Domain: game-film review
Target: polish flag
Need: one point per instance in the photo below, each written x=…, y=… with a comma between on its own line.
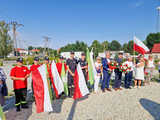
x=41, y=90
x=80, y=87
x=56, y=80
x=139, y=46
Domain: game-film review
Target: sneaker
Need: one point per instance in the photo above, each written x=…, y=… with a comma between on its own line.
x=25, y=106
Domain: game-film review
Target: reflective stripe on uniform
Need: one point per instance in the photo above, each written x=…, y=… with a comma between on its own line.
x=17, y=104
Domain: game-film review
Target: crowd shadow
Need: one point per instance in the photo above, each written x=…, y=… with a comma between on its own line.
x=73, y=108
x=152, y=107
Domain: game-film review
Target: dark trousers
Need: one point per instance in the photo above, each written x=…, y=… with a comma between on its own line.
x=118, y=79
x=128, y=79
x=20, y=96
x=106, y=79
x=70, y=85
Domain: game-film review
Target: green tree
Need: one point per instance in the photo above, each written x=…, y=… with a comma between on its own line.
x=97, y=47
x=105, y=45
x=5, y=39
x=114, y=45
x=151, y=39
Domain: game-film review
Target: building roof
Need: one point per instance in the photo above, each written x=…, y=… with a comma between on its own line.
x=156, y=48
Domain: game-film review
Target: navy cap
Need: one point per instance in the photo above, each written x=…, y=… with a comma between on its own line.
x=61, y=57
x=36, y=59
x=46, y=58
x=20, y=60
x=83, y=54
x=72, y=52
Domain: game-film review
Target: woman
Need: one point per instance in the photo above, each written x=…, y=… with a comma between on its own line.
x=139, y=75
x=98, y=66
x=3, y=86
x=149, y=69
x=159, y=69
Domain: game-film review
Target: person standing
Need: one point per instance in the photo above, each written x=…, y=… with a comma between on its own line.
x=3, y=87
x=84, y=65
x=149, y=69
x=159, y=69
x=98, y=66
x=106, y=75
x=118, y=73
x=71, y=65
x=139, y=75
x=33, y=68
x=129, y=73
x=19, y=75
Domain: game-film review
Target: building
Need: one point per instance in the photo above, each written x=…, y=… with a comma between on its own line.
x=156, y=51
x=67, y=54
x=113, y=54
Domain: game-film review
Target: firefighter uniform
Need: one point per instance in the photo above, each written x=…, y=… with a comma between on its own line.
x=20, y=87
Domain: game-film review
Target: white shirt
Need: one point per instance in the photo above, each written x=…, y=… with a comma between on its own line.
x=150, y=64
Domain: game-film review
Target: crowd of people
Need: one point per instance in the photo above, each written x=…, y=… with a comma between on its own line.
x=141, y=68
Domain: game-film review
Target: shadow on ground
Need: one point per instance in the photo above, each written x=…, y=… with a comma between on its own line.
x=73, y=108
x=152, y=107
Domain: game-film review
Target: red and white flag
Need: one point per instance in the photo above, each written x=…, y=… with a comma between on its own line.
x=80, y=87
x=41, y=90
x=139, y=46
x=56, y=80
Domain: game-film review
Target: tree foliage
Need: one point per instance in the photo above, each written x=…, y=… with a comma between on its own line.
x=114, y=45
x=151, y=39
x=5, y=39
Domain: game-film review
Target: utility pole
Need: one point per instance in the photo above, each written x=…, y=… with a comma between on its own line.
x=15, y=25
x=46, y=45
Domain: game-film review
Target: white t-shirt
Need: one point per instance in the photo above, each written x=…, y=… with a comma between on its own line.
x=150, y=64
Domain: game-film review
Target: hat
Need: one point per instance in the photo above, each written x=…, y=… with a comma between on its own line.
x=36, y=59
x=46, y=58
x=61, y=57
x=83, y=54
x=20, y=60
x=72, y=52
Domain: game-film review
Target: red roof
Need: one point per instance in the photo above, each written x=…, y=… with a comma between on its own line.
x=156, y=48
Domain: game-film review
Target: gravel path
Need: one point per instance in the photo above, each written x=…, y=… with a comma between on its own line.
x=135, y=104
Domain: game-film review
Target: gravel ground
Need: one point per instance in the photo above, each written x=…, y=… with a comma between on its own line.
x=135, y=104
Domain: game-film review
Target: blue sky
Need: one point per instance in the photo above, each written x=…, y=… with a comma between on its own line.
x=66, y=21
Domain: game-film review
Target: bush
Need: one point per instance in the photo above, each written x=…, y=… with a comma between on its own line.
x=1, y=62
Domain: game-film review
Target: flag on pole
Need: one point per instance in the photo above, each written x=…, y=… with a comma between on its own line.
x=56, y=80
x=90, y=68
x=2, y=116
x=139, y=46
x=41, y=90
x=80, y=87
x=64, y=79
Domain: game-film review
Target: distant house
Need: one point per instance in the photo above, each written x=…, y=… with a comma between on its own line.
x=67, y=54
x=22, y=52
x=156, y=51
x=113, y=54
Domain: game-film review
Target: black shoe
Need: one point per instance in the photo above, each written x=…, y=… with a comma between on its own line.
x=18, y=109
x=25, y=106
x=103, y=91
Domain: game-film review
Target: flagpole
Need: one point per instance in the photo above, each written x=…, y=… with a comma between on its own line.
x=134, y=52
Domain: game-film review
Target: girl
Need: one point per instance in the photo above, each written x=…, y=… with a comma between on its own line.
x=139, y=75
x=98, y=66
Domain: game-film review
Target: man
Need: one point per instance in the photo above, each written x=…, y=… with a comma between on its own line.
x=118, y=73
x=106, y=75
x=19, y=75
x=84, y=66
x=72, y=65
x=33, y=68
x=129, y=73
